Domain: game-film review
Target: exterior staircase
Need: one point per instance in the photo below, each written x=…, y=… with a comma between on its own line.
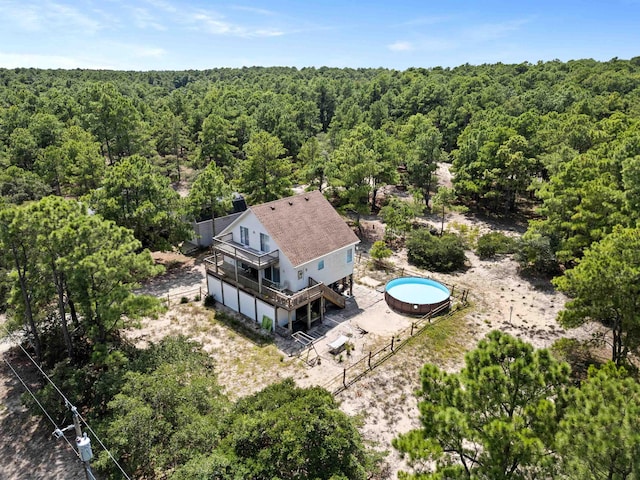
x=328, y=294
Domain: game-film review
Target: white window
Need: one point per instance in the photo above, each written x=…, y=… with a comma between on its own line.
x=320, y=264
x=350, y=255
x=244, y=235
x=264, y=242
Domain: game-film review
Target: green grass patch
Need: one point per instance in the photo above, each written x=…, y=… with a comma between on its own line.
x=241, y=328
x=446, y=338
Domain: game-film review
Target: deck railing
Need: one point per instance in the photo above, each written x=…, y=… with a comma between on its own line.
x=270, y=292
x=259, y=260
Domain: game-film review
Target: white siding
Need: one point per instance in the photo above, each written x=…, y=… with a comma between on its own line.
x=283, y=319
x=214, y=287
x=248, y=305
x=335, y=267
x=265, y=309
x=289, y=276
x=255, y=228
x=230, y=294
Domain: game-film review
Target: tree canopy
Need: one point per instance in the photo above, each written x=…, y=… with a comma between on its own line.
x=134, y=195
x=555, y=143
x=604, y=287
x=495, y=419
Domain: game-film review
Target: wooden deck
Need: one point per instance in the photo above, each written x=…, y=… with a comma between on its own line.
x=269, y=291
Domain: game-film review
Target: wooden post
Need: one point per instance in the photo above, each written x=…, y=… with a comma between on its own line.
x=290, y=322
x=344, y=377
x=392, y=340
x=453, y=289
x=412, y=325
x=308, y=315
x=369, y=360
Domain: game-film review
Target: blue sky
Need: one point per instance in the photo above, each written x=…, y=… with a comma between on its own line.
x=198, y=34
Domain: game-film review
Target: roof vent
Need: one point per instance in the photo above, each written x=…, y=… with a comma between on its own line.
x=291, y=203
x=306, y=198
x=272, y=207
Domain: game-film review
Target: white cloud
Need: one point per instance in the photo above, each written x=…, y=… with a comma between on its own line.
x=257, y=11
x=28, y=60
x=492, y=31
x=47, y=15
x=216, y=24
x=145, y=19
x=400, y=46
x=128, y=51
x=26, y=17
x=65, y=15
x=162, y=5
x=141, y=51
x=432, y=20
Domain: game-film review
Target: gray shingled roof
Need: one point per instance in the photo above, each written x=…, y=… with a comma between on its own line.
x=305, y=226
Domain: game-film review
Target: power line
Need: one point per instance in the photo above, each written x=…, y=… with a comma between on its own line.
x=103, y=446
x=67, y=403
x=66, y=400
x=39, y=404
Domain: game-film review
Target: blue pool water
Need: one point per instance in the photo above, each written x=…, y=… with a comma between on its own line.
x=417, y=290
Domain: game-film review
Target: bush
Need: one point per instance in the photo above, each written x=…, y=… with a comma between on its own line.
x=439, y=254
x=209, y=301
x=493, y=244
x=535, y=255
x=380, y=252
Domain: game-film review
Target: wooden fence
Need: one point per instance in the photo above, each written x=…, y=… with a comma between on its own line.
x=184, y=296
x=362, y=367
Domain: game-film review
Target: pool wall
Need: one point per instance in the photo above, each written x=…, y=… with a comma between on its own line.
x=417, y=307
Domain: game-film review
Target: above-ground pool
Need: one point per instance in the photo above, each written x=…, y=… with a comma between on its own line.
x=415, y=295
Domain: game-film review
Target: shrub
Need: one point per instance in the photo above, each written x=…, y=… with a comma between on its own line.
x=380, y=252
x=209, y=301
x=439, y=254
x=184, y=300
x=493, y=244
x=535, y=255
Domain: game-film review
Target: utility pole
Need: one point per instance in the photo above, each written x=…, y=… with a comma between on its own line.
x=83, y=443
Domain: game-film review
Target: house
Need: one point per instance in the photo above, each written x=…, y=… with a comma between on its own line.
x=279, y=262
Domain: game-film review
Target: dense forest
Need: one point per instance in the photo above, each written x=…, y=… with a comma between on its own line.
x=100, y=167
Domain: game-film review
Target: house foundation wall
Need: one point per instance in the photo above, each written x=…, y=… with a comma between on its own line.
x=245, y=303
x=214, y=287
x=248, y=305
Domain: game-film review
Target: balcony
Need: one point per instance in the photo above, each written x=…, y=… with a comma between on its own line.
x=263, y=289
x=243, y=254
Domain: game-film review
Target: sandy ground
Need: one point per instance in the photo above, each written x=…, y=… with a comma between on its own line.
x=498, y=299
x=383, y=400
